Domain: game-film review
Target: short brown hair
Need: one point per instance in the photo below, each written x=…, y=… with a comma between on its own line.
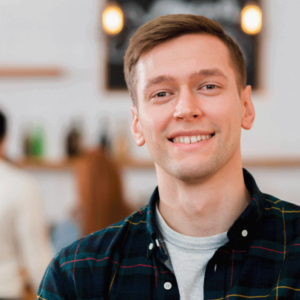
x=169, y=27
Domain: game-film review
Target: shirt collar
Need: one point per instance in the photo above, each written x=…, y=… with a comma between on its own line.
x=153, y=230
x=151, y=226
x=243, y=227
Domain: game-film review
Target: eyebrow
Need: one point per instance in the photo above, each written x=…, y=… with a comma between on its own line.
x=157, y=80
x=201, y=73
x=208, y=73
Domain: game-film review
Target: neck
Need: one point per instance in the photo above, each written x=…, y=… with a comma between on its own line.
x=206, y=208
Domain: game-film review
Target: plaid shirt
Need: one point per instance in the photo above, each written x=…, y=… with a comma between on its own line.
x=126, y=260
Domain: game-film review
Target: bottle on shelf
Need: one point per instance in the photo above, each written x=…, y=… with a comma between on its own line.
x=26, y=143
x=104, y=139
x=37, y=142
x=33, y=142
x=74, y=139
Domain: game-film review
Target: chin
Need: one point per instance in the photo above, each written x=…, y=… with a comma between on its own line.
x=190, y=174
x=194, y=169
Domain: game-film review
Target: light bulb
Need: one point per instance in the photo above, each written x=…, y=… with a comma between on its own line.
x=112, y=19
x=251, y=19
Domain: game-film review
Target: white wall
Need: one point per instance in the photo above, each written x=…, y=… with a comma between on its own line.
x=68, y=33
x=275, y=132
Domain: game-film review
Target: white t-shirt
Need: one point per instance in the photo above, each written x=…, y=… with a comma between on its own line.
x=188, y=257
x=23, y=239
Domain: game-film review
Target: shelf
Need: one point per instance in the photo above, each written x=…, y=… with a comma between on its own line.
x=68, y=164
x=135, y=164
x=282, y=162
x=30, y=71
x=39, y=164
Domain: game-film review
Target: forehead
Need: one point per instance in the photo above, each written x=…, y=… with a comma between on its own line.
x=182, y=56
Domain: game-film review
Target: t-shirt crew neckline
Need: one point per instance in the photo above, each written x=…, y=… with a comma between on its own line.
x=188, y=242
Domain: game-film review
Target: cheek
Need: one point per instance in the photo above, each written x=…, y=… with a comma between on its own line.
x=150, y=129
x=234, y=118
x=227, y=115
x=157, y=119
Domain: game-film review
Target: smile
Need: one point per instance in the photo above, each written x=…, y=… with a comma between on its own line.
x=191, y=139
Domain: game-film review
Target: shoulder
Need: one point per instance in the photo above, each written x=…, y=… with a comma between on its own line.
x=11, y=172
x=279, y=206
x=284, y=215
x=283, y=236
x=17, y=186
x=97, y=254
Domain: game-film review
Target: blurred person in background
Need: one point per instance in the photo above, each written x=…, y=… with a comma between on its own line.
x=25, y=247
x=101, y=200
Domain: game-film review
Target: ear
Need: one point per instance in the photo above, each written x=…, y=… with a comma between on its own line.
x=248, y=108
x=136, y=127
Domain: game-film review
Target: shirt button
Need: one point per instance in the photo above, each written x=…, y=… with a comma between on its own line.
x=150, y=246
x=167, y=285
x=244, y=233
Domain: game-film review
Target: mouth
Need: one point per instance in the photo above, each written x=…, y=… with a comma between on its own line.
x=190, y=139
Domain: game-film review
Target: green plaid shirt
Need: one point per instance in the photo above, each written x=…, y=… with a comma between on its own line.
x=126, y=261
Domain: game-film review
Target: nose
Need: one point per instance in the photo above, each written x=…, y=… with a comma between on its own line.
x=187, y=107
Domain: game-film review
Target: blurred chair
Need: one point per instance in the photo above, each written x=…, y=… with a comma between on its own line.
x=100, y=191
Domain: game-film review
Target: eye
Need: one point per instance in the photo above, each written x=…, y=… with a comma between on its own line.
x=209, y=87
x=162, y=94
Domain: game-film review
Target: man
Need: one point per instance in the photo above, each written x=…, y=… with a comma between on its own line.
x=23, y=238
x=208, y=232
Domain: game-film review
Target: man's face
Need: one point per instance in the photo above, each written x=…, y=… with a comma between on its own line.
x=190, y=111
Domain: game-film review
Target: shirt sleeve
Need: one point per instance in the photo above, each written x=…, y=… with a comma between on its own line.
x=53, y=284
x=32, y=240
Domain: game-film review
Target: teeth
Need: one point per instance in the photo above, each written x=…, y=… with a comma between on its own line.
x=191, y=139
x=186, y=140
